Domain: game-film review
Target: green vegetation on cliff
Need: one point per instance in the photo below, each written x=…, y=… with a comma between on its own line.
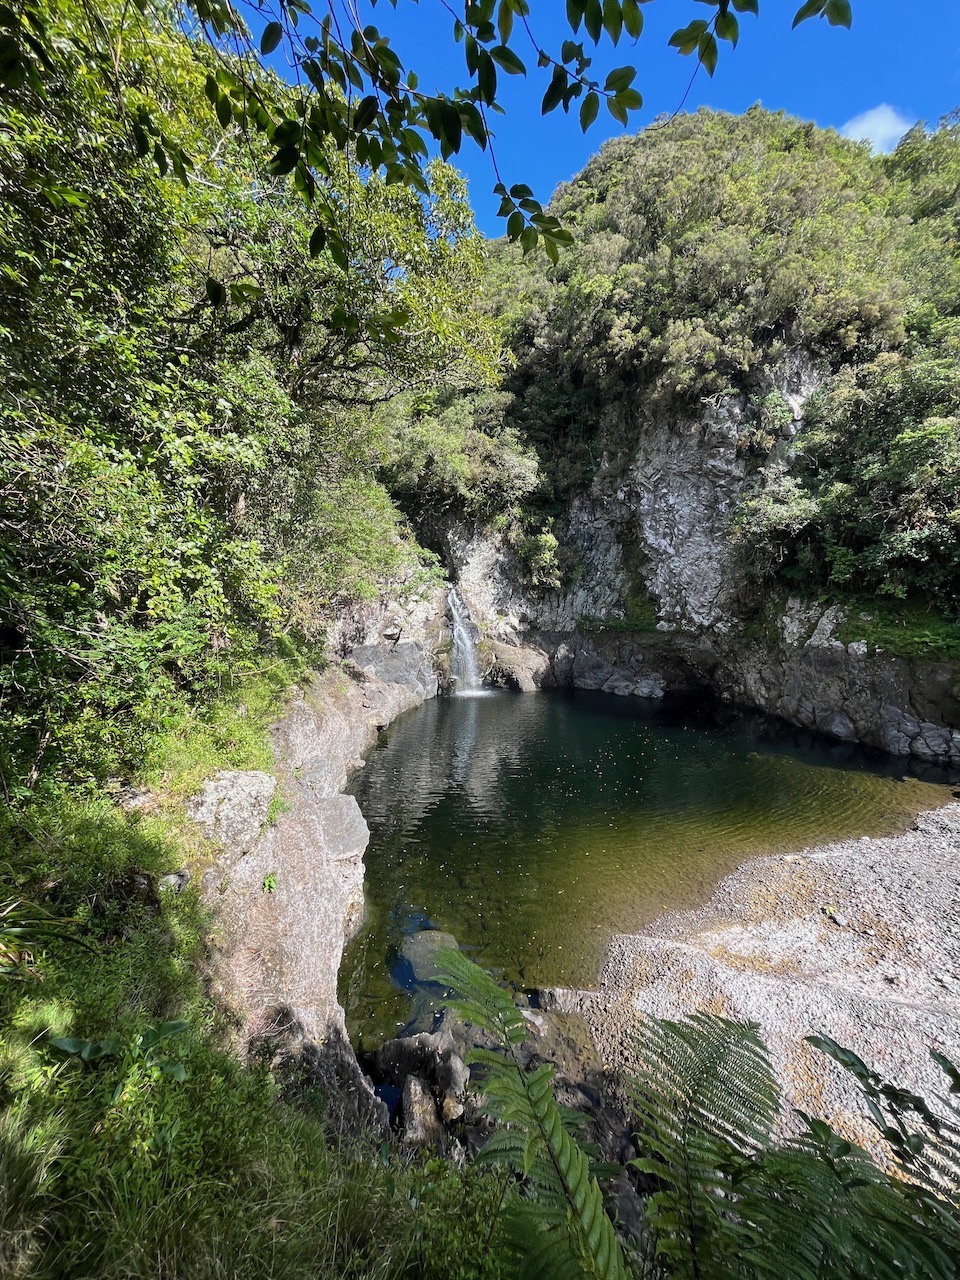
x=711, y=252
x=190, y=432
x=187, y=437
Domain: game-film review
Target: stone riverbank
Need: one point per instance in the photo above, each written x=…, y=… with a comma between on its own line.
x=857, y=940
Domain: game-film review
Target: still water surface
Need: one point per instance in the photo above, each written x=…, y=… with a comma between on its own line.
x=533, y=826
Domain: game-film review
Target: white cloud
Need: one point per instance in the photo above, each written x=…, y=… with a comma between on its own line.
x=881, y=126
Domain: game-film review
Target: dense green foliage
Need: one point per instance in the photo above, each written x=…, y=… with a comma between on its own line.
x=353, y=95
x=560, y=1227
x=870, y=506
x=730, y=1200
x=187, y=448
x=189, y=438
x=223, y=413
x=133, y=1143
x=710, y=250
x=706, y=246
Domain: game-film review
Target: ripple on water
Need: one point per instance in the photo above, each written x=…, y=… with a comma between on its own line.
x=532, y=827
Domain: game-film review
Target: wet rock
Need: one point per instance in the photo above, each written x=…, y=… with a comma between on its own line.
x=421, y=1124
x=836, y=724
x=520, y=666
x=420, y=950
x=429, y=1056
x=650, y=687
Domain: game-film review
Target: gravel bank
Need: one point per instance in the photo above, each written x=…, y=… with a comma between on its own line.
x=859, y=940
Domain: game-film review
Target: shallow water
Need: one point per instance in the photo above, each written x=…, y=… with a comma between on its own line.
x=534, y=826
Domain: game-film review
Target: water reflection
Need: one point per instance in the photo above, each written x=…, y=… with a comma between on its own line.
x=533, y=826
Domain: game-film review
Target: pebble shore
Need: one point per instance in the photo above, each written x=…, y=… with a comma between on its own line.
x=859, y=940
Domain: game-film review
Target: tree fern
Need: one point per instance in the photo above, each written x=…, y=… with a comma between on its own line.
x=705, y=1099
x=561, y=1231
x=925, y=1143
x=727, y=1202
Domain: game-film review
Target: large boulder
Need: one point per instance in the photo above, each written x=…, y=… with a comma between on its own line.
x=233, y=807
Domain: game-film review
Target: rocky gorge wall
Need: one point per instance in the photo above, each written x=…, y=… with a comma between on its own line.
x=286, y=889
x=659, y=601
x=907, y=708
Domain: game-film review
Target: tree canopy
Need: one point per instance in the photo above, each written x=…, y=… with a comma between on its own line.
x=187, y=430
x=349, y=92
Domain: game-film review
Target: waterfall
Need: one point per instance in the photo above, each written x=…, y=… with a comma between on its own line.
x=464, y=667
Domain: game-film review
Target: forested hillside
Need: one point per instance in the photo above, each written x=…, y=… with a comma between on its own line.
x=710, y=249
x=192, y=429
x=190, y=435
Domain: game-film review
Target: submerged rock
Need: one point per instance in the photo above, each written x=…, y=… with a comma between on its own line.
x=420, y=950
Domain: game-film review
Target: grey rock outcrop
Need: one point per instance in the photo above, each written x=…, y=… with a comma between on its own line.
x=843, y=691
x=905, y=707
x=655, y=519
x=286, y=897
x=434, y=1057
x=233, y=807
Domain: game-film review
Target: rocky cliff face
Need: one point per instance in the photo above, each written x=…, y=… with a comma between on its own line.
x=654, y=528
x=287, y=894
x=654, y=522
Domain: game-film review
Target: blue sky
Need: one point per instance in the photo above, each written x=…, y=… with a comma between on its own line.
x=902, y=56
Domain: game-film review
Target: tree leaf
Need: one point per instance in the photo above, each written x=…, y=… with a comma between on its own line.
x=365, y=113
x=687, y=38
x=487, y=77
x=708, y=52
x=839, y=13
x=633, y=18
x=272, y=35
x=504, y=57
x=727, y=28
x=809, y=10
x=505, y=20
x=617, y=110
x=593, y=19
x=589, y=109
x=612, y=19
x=619, y=78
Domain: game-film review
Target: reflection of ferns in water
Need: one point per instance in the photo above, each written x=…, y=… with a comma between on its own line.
x=724, y=1202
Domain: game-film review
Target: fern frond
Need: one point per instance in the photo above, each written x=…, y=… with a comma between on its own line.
x=729, y=1203
x=479, y=999
x=710, y=1072
x=573, y=1237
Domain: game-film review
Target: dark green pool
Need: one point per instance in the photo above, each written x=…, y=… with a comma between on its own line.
x=534, y=826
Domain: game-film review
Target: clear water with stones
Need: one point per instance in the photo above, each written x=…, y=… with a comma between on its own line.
x=533, y=826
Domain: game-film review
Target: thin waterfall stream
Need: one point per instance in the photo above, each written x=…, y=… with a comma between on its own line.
x=464, y=661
